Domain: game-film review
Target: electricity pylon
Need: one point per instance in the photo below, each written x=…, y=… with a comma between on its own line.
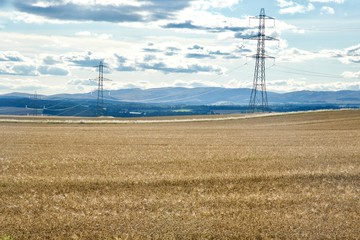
x=258, y=98
x=100, y=108
x=100, y=95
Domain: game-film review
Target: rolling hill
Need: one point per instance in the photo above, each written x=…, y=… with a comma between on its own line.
x=216, y=96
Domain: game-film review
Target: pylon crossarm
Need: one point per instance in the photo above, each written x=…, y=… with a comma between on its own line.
x=107, y=79
x=262, y=17
x=260, y=56
x=260, y=37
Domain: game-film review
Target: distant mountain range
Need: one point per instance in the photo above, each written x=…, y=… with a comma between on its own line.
x=206, y=96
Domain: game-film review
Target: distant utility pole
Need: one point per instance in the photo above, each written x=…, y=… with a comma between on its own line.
x=35, y=99
x=258, y=98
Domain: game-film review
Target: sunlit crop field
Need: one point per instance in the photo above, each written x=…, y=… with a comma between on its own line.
x=291, y=176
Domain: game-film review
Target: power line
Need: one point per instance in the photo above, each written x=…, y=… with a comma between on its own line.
x=298, y=71
x=327, y=29
x=77, y=114
x=67, y=109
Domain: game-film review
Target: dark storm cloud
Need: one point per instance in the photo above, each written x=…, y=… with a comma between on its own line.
x=153, y=9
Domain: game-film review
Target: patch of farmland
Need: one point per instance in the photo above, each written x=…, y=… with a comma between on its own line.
x=280, y=176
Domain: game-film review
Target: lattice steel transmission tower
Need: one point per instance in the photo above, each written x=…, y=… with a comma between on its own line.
x=100, y=107
x=258, y=98
x=100, y=92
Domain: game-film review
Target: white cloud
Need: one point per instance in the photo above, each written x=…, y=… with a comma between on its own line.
x=17, y=16
x=195, y=84
x=21, y=85
x=281, y=27
x=133, y=3
x=53, y=71
x=285, y=3
x=205, y=21
x=50, y=59
x=100, y=11
x=351, y=74
x=82, y=59
x=83, y=82
x=297, y=8
x=103, y=36
x=84, y=33
x=291, y=85
x=334, y=86
x=327, y=10
x=295, y=55
x=285, y=85
x=32, y=69
x=180, y=67
x=347, y=55
x=205, y=4
x=328, y=1
x=22, y=69
x=11, y=56
x=16, y=64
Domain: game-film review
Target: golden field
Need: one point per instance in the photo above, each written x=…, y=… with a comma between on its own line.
x=293, y=176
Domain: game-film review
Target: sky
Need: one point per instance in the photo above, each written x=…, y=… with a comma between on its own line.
x=53, y=46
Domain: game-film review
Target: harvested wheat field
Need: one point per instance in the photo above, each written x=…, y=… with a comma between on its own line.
x=293, y=176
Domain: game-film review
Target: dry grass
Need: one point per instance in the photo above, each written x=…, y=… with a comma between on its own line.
x=292, y=176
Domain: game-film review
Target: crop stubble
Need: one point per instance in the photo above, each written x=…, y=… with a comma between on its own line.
x=291, y=176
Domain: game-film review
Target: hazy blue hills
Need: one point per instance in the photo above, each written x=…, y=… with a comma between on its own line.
x=169, y=102
x=206, y=96
x=228, y=96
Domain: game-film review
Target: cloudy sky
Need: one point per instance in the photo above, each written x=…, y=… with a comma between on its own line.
x=52, y=46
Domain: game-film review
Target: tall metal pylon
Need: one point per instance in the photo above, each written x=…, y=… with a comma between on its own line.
x=258, y=98
x=100, y=107
x=100, y=95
